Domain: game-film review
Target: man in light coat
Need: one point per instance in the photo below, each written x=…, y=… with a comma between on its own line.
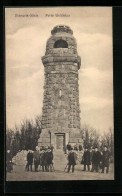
x=36, y=157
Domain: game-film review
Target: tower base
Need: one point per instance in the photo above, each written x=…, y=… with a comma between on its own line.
x=59, y=140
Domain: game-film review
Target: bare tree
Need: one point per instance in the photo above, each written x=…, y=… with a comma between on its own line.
x=90, y=136
x=108, y=139
x=25, y=136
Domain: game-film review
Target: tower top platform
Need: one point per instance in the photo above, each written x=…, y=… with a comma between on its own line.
x=61, y=28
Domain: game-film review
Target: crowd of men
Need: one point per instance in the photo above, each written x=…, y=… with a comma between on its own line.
x=92, y=159
x=98, y=160
x=42, y=157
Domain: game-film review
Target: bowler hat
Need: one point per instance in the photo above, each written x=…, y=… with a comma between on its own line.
x=96, y=147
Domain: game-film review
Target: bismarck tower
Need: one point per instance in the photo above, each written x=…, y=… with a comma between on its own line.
x=61, y=109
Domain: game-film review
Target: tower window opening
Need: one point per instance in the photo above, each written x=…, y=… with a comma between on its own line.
x=61, y=44
x=60, y=93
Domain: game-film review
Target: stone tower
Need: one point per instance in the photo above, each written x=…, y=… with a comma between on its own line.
x=61, y=109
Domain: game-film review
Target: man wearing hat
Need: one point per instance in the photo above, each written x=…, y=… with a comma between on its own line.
x=46, y=159
x=91, y=158
x=29, y=159
x=96, y=159
x=86, y=159
x=69, y=147
x=49, y=159
x=105, y=159
x=36, y=157
x=42, y=158
x=72, y=157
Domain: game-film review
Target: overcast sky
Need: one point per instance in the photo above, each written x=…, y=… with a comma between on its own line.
x=25, y=45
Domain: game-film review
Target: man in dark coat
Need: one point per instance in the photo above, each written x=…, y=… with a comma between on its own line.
x=36, y=157
x=29, y=160
x=42, y=158
x=96, y=158
x=86, y=159
x=46, y=159
x=49, y=159
x=105, y=159
x=72, y=157
x=91, y=156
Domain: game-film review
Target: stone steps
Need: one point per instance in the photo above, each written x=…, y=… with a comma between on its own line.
x=60, y=160
x=59, y=155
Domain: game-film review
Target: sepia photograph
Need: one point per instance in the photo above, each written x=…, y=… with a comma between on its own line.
x=59, y=93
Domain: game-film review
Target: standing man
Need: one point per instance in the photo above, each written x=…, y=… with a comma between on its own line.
x=42, y=158
x=50, y=159
x=36, y=157
x=105, y=159
x=29, y=160
x=91, y=158
x=46, y=159
x=96, y=158
x=72, y=157
x=86, y=159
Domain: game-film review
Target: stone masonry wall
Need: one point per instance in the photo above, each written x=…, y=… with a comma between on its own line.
x=61, y=109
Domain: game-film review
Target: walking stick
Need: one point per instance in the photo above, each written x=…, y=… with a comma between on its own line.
x=66, y=167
